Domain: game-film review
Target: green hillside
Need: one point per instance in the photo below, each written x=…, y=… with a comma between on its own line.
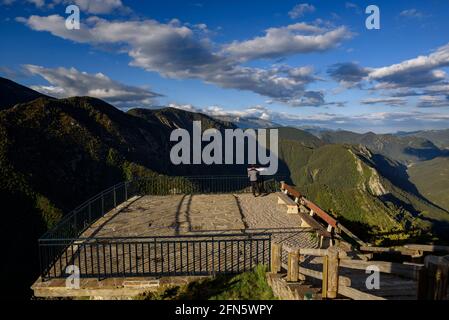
x=12, y=93
x=303, y=137
x=432, y=180
x=55, y=154
x=405, y=149
x=438, y=137
x=345, y=181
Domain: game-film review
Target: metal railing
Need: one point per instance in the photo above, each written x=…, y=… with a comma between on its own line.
x=66, y=234
x=77, y=221
x=155, y=256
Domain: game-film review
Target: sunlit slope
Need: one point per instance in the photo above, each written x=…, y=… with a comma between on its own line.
x=346, y=181
x=432, y=180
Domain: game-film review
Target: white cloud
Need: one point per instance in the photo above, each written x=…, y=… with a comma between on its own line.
x=300, y=9
x=433, y=101
x=289, y=40
x=420, y=71
x=71, y=82
x=86, y=6
x=381, y=122
x=97, y=6
x=176, y=51
x=423, y=75
x=37, y=3
x=411, y=13
x=391, y=101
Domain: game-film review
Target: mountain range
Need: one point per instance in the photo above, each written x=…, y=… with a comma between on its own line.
x=55, y=153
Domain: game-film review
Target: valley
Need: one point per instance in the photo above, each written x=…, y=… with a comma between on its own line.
x=56, y=153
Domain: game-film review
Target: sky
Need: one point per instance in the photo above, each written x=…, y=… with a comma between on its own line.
x=311, y=63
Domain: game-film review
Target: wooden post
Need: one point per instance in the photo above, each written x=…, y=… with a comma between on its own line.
x=433, y=281
x=332, y=273
x=276, y=263
x=324, y=281
x=293, y=266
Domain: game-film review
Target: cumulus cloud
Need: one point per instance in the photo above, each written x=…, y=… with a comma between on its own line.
x=390, y=101
x=382, y=122
x=289, y=40
x=176, y=51
x=420, y=71
x=353, y=6
x=411, y=13
x=71, y=82
x=433, y=101
x=348, y=74
x=90, y=6
x=97, y=6
x=420, y=76
x=300, y=9
x=253, y=112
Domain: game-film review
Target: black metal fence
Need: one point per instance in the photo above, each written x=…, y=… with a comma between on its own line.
x=155, y=256
x=77, y=221
x=63, y=243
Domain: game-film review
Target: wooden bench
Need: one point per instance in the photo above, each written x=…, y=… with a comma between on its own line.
x=292, y=206
x=308, y=221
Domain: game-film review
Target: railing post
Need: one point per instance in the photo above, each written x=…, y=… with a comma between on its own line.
x=276, y=263
x=325, y=277
x=41, y=268
x=90, y=212
x=115, y=198
x=332, y=273
x=126, y=191
x=293, y=264
x=434, y=279
x=75, y=226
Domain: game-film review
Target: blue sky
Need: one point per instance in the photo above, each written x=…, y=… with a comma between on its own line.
x=296, y=63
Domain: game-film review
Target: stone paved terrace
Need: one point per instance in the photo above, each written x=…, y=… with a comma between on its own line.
x=176, y=215
x=205, y=214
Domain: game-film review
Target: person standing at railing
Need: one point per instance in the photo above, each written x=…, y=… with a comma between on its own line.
x=253, y=175
x=261, y=179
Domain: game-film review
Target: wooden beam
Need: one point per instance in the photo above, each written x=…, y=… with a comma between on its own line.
x=357, y=294
x=394, y=250
x=312, y=223
x=311, y=252
x=427, y=248
x=342, y=280
x=320, y=212
x=290, y=190
x=409, y=271
x=351, y=235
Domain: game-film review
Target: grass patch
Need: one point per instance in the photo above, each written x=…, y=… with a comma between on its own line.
x=251, y=285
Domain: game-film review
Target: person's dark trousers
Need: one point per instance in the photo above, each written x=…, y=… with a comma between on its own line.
x=261, y=185
x=255, y=187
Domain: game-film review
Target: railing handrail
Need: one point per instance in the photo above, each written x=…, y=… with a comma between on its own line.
x=208, y=235
x=72, y=214
x=74, y=211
